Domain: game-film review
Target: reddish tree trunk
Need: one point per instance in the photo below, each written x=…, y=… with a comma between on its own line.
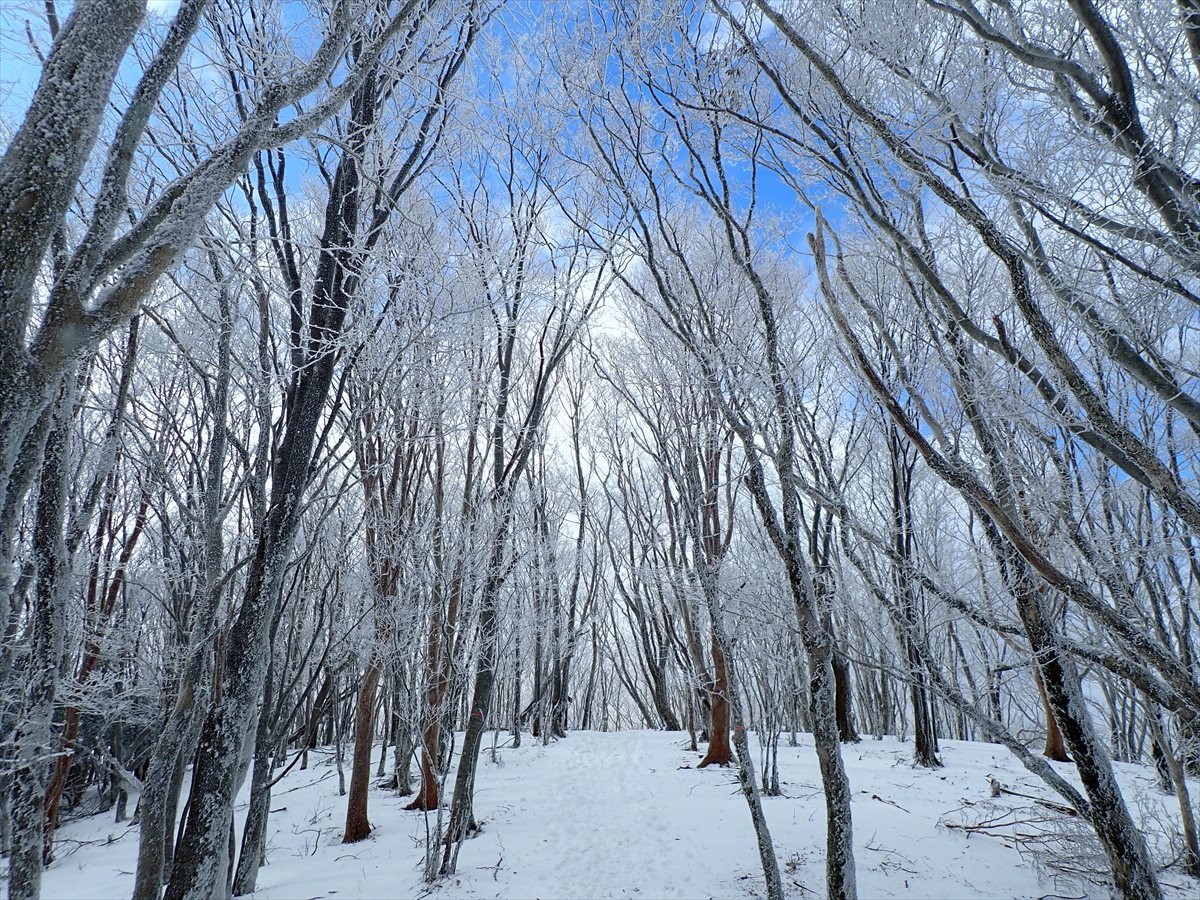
x=101, y=601
x=439, y=682
x=427, y=797
x=58, y=780
x=719, y=751
x=1056, y=748
x=358, y=826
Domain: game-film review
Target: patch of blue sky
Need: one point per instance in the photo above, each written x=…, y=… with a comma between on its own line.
x=22, y=27
x=25, y=33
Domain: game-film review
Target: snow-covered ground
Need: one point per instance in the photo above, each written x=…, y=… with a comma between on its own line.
x=626, y=815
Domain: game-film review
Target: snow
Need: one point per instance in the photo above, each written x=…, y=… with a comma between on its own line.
x=626, y=814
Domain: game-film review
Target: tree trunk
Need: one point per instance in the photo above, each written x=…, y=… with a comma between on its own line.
x=442, y=627
x=1056, y=748
x=839, y=845
x=39, y=177
x=516, y=700
x=438, y=685
x=177, y=741
x=427, y=795
x=1190, y=862
x=843, y=699
x=202, y=858
x=662, y=703
x=925, y=742
x=357, y=825
x=1124, y=844
x=159, y=800
x=60, y=771
x=33, y=741
x=101, y=602
x=719, y=752
x=462, y=810
x=746, y=778
x=254, y=831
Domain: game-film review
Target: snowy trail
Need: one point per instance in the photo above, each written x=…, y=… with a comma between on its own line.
x=605, y=818
x=627, y=815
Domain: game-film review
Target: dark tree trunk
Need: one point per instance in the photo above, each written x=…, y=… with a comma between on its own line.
x=254, y=832
x=925, y=742
x=844, y=699
x=462, y=810
x=516, y=700
x=662, y=702
x=319, y=708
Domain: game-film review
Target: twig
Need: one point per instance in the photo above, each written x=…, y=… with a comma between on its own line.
x=890, y=803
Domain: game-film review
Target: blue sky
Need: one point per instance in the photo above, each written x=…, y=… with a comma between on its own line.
x=19, y=66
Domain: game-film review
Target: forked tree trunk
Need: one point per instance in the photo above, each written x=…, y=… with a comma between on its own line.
x=39, y=176
x=427, y=797
x=443, y=624
x=438, y=686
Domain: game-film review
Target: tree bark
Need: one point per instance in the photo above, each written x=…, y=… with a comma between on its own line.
x=39, y=175
x=719, y=751
x=357, y=825
x=1056, y=748
x=33, y=741
x=462, y=809
x=254, y=830
x=843, y=699
x=1124, y=844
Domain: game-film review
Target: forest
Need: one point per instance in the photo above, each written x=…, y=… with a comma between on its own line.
x=394, y=387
